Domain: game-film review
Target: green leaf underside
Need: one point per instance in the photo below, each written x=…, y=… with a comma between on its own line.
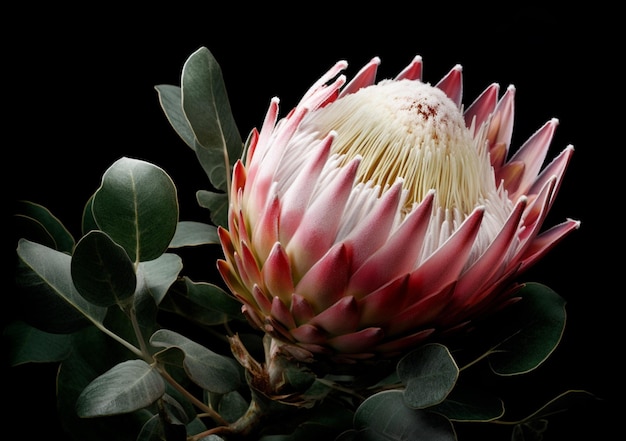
x=159, y=274
x=429, y=374
x=385, y=416
x=535, y=328
x=209, y=370
x=170, y=98
x=102, y=271
x=63, y=240
x=207, y=109
x=128, y=386
x=216, y=203
x=54, y=302
x=137, y=206
x=29, y=344
x=467, y=403
x=189, y=233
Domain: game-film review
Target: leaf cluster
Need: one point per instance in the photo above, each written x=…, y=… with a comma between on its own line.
x=94, y=305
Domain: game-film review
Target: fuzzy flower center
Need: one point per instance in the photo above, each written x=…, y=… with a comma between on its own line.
x=410, y=130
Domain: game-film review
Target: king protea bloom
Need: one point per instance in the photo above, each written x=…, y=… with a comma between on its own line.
x=376, y=215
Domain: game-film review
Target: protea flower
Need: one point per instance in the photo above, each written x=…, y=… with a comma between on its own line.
x=376, y=215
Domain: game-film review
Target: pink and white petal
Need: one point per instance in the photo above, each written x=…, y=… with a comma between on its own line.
x=491, y=261
x=373, y=231
x=501, y=125
x=317, y=231
x=301, y=309
x=482, y=108
x=248, y=267
x=452, y=84
x=511, y=175
x=252, y=141
x=265, y=233
x=533, y=154
x=357, y=342
x=413, y=71
x=399, y=345
x=545, y=241
x=263, y=302
x=536, y=211
x=309, y=334
x=226, y=242
x=384, y=302
x=423, y=312
x=276, y=274
x=395, y=257
x=324, y=79
x=365, y=77
x=263, y=144
x=252, y=316
x=445, y=264
x=281, y=313
x=325, y=283
x=231, y=278
x=556, y=168
x=297, y=196
x=340, y=318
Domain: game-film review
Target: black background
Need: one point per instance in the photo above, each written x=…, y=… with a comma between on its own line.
x=80, y=89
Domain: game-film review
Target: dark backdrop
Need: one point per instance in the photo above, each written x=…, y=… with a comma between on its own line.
x=81, y=94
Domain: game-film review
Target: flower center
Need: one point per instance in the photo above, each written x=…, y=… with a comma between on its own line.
x=410, y=130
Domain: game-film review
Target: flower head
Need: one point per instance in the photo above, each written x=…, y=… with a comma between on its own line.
x=377, y=214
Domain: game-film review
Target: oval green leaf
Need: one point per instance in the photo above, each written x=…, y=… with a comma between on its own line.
x=206, y=106
x=466, y=403
x=27, y=344
x=158, y=275
x=102, y=271
x=209, y=370
x=128, y=386
x=137, y=206
x=385, y=417
x=216, y=203
x=54, y=304
x=535, y=326
x=170, y=98
x=190, y=233
x=63, y=240
x=429, y=374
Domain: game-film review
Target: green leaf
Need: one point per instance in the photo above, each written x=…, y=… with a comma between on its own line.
x=232, y=406
x=531, y=431
x=129, y=386
x=214, y=298
x=28, y=344
x=209, y=370
x=179, y=302
x=93, y=353
x=562, y=403
x=466, y=403
x=102, y=271
x=88, y=222
x=170, y=98
x=159, y=274
x=217, y=204
x=137, y=206
x=534, y=327
x=54, y=304
x=28, y=228
x=189, y=233
x=429, y=374
x=385, y=416
x=206, y=106
x=63, y=240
